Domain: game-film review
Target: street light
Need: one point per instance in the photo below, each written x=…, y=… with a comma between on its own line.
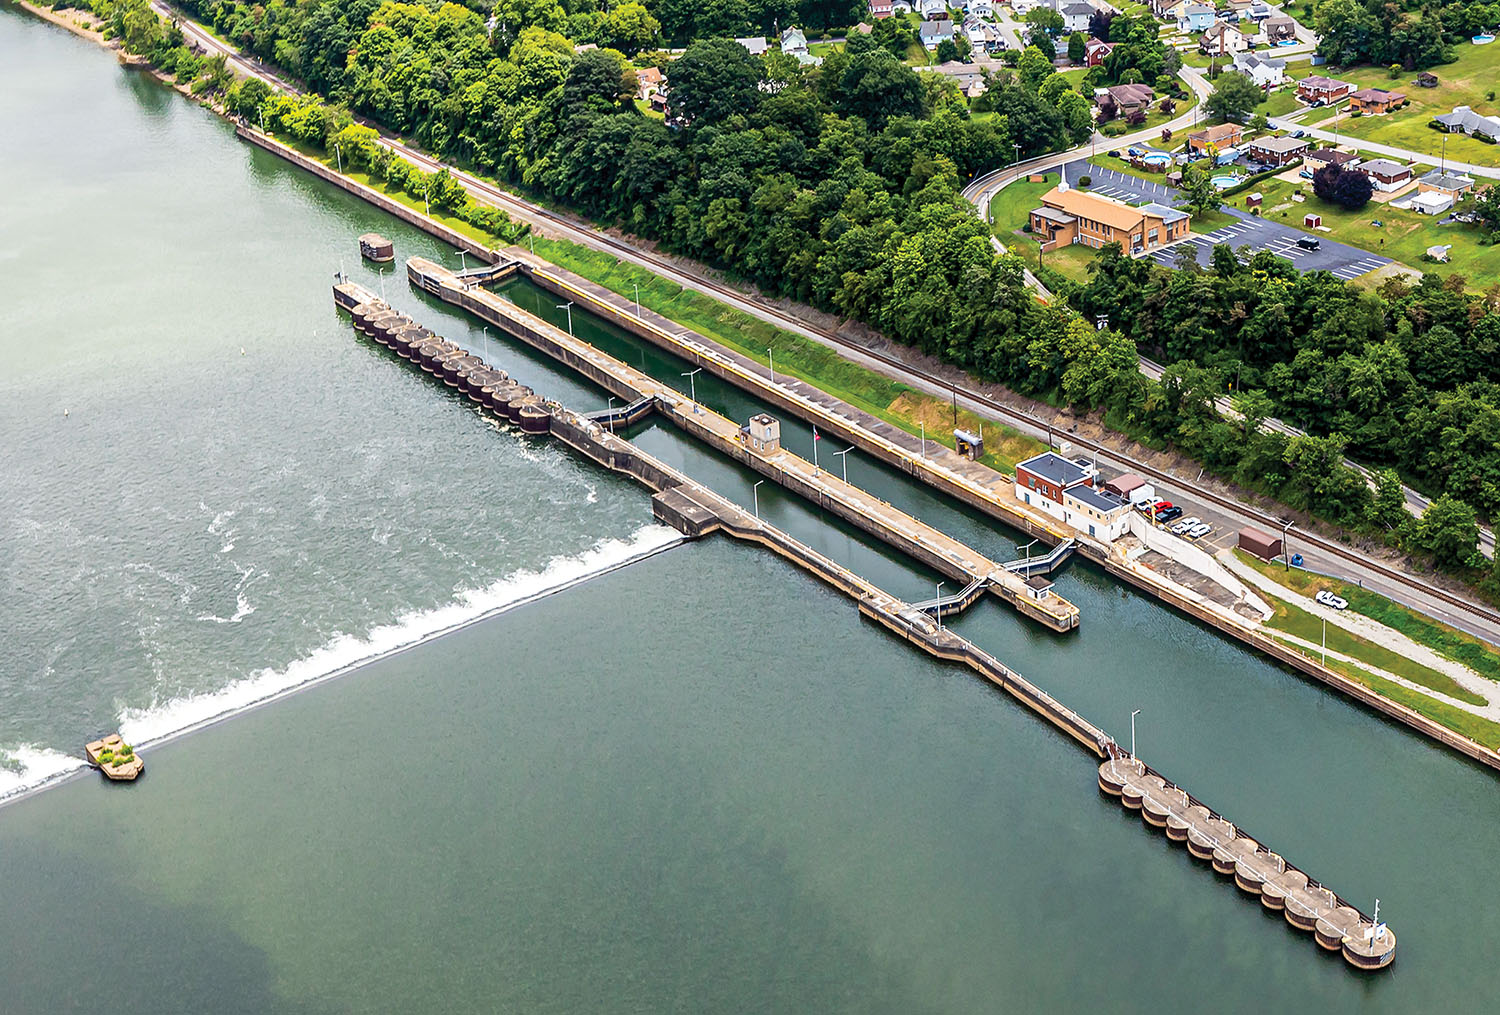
x=843, y=455
x=755, y=492
x=611, y=415
x=568, y=306
x=1017, y=146
x=938, y=606
x=637, y=300
x=1286, y=553
x=463, y=260
x=691, y=375
x=771, y=359
x=486, y=331
x=1132, y=733
x=339, y=154
x=923, y=425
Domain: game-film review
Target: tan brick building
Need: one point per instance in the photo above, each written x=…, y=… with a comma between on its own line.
x=1074, y=216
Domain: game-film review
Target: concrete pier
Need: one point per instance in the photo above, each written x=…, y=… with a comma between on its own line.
x=697, y=511
x=912, y=536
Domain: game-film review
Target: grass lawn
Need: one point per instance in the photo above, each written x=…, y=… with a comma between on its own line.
x=800, y=357
x=1280, y=103
x=644, y=106
x=1404, y=237
x=1467, y=81
x=1455, y=645
x=1071, y=261
x=1009, y=207
x=1299, y=623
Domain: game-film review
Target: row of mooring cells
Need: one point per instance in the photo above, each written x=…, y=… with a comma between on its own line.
x=454, y=366
x=1307, y=905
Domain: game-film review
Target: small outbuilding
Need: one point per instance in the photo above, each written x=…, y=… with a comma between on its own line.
x=1311, y=220
x=1260, y=544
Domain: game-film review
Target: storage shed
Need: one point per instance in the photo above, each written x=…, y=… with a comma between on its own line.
x=1259, y=543
x=1311, y=221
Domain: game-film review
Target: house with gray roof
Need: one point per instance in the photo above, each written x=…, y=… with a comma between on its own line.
x=934, y=33
x=1464, y=120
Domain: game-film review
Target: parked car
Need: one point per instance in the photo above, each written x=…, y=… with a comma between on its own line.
x=1306, y=174
x=1187, y=523
x=1309, y=242
x=1329, y=599
x=1113, y=153
x=1200, y=530
x=1168, y=515
x=1299, y=133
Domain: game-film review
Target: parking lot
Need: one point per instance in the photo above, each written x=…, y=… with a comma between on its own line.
x=1340, y=259
x=1251, y=231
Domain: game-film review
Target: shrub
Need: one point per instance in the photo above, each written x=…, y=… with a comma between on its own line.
x=1085, y=181
x=1355, y=113
x=1490, y=95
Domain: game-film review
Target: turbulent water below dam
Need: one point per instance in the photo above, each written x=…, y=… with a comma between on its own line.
x=622, y=779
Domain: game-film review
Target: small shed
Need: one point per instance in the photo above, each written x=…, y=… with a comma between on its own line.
x=1038, y=588
x=970, y=445
x=1254, y=200
x=1125, y=485
x=1311, y=220
x=1427, y=79
x=1259, y=543
x=1440, y=252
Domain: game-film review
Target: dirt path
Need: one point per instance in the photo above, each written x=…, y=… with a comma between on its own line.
x=1490, y=711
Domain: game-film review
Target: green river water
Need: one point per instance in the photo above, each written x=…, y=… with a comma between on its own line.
x=695, y=783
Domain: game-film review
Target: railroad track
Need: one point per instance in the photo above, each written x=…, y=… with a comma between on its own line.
x=999, y=409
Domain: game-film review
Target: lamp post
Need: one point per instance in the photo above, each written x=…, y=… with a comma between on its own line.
x=692, y=375
x=637, y=300
x=568, y=306
x=771, y=359
x=611, y=415
x=938, y=606
x=755, y=492
x=486, y=331
x=843, y=455
x=1132, y=733
x=463, y=260
x=338, y=153
x=1017, y=146
x=1286, y=552
x=924, y=438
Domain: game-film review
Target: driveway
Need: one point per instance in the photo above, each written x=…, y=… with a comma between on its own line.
x=1118, y=185
x=1340, y=259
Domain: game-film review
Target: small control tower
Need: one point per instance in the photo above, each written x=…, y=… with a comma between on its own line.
x=762, y=434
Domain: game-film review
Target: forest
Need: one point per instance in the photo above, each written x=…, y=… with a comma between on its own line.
x=1412, y=34
x=840, y=186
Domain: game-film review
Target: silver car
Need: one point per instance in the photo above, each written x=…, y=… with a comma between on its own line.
x=1199, y=530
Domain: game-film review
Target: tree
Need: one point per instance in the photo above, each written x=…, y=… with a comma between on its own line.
x=1345, y=188
x=1077, y=51
x=713, y=80
x=1234, y=96
x=1388, y=507
x=947, y=50
x=1202, y=196
x=629, y=28
x=876, y=86
x=1035, y=66
x=1449, y=530
x=1259, y=124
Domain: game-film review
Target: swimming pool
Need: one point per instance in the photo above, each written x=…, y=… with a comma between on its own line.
x=1156, y=158
x=1483, y=39
x=1225, y=182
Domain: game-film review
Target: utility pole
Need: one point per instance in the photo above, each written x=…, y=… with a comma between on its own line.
x=755, y=492
x=692, y=376
x=1132, y=733
x=568, y=306
x=637, y=300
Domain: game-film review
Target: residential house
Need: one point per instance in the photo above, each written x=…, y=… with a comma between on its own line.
x=968, y=77
x=1042, y=480
x=932, y=10
x=1021, y=8
x=980, y=9
x=1279, y=29
x=1168, y=10
x=1222, y=40
x=1427, y=79
x=1374, y=100
x=1318, y=90
x=648, y=81
x=1464, y=120
x=1194, y=18
x=1215, y=139
x=1320, y=157
x=1076, y=16
x=1128, y=98
x=935, y=33
x=1260, y=11
x=794, y=42
x=1440, y=181
x=1385, y=174
x=755, y=44
x=1095, y=51
x=1074, y=216
x=1265, y=72
x=901, y=6
x=1432, y=202
x=1277, y=151
x=1239, y=9
x=880, y=8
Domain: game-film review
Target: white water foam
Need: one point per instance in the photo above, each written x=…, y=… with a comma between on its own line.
x=36, y=766
x=345, y=652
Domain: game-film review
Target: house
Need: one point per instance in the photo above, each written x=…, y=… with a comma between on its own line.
x=793, y=42
x=1021, y=8
x=1194, y=17
x=880, y=8
x=968, y=77
x=1043, y=479
x=1259, y=11
x=1321, y=157
x=648, y=81
x=755, y=44
x=1095, y=51
x=935, y=33
x=1222, y=40
x=1076, y=16
x=932, y=10
x=1073, y=216
x=1101, y=514
x=1427, y=79
x=1265, y=72
x=1440, y=252
x=1239, y=9
x=1131, y=487
x=1278, y=151
x=1129, y=98
x=1215, y=139
x=1375, y=100
x=1318, y=90
x=1439, y=181
x=1168, y=10
x=981, y=9
x=1432, y=202
x=1278, y=29
x=1464, y=120
x=1385, y=174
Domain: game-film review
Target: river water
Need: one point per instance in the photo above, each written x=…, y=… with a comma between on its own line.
x=694, y=783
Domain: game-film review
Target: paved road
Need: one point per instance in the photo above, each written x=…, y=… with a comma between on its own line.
x=1403, y=154
x=700, y=281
